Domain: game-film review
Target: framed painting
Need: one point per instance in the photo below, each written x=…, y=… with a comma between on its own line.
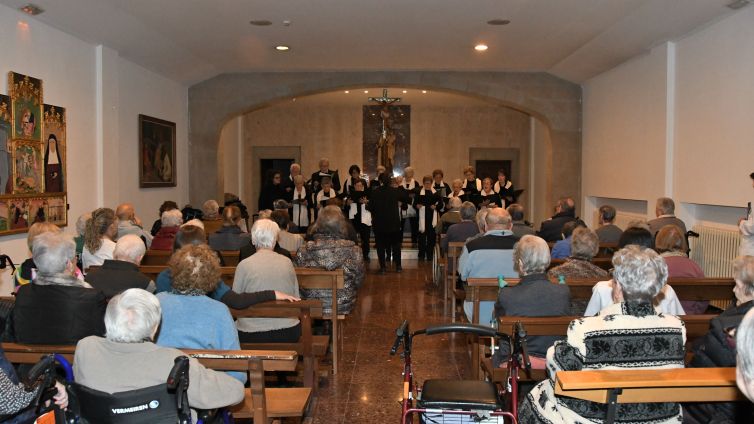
x=26, y=106
x=156, y=152
x=57, y=210
x=6, y=134
x=54, y=159
x=18, y=215
x=27, y=167
x=4, y=216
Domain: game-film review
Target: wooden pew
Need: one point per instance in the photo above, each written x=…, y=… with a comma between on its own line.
x=648, y=386
x=455, y=248
x=260, y=403
x=308, y=347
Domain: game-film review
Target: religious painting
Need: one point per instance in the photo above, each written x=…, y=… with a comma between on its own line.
x=57, y=211
x=4, y=216
x=18, y=214
x=156, y=152
x=27, y=167
x=54, y=149
x=386, y=137
x=26, y=106
x=6, y=134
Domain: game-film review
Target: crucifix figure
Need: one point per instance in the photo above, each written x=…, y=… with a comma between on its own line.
x=386, y=145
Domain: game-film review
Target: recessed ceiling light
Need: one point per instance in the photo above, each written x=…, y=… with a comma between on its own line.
x=31, y=9
x=282, y=48
x=498, y=22
x=405, y=91
x=366, y=91
x=480, y=47
x=346, y=91
x=424, y=91
x=294, y=99
x=260, y=22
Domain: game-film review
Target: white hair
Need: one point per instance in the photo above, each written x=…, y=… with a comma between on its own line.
x=81, y=223
x=52, y=252
x=132, y=316
x=195, y=222
x=130, y=248
x=171, y=218
x=531, y=255
x=666, y=205
x=641, y=272
x=264, y=233
x=745, y=352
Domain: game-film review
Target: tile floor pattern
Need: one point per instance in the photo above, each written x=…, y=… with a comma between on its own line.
x=368, y=386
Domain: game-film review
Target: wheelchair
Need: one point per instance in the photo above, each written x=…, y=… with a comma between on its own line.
x=461, y=401
x=42, y=376
x=161, y=404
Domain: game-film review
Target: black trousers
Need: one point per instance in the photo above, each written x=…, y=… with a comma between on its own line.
x=427, y=241
x=413, y=222
x=364, y=233
x=388, y=241
x=283, y=335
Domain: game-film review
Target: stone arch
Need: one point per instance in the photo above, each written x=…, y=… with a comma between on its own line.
x=212, y=103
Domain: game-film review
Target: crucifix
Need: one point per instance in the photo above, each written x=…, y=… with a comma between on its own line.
x=386, y=145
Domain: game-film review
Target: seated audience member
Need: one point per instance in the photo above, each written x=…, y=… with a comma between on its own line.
x=718, y=349
x=534, y=296
x=328, y=248
x=15, y=399
x=127, y=358
x=616, y=339
x=481, y=223
x=562, y=248
x=471, y=184
x=504, y=188
x=602, y=293
x=250, y=249
x=552, y=228
x=57, y=308
x=745, y=356
x=608, y=232
x=230, y=236
x=101, y=229
x=80, y=233
x=196, y=272
x=231, y=199
x=359, y=216
x=193, y=236
x=452, y=214
x=489, y=256
x=122, y=272
x=166, y=206
x=129, y=223
x=665, y=211
x=211, y=216
x=520, y=227
x=464, y=229
x=266, y=270
x=171, y=223
x=26, y=272
x=671, y=245
x=584, y=245
x=286, y=240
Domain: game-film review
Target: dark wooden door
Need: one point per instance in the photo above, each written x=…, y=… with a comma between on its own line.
x=489, y=168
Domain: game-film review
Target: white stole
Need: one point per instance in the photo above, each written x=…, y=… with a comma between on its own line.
x=451, y=195
x=423, y=215
x=300, y=212
x=478, y=184
x=410, y=212
x=508, y=185
x=366, y=216
x=502, y=201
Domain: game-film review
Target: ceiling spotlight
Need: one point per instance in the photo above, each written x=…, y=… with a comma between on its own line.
x=424, y=91
x=294, y=99
x=498, y=22
x=346, y=91
x=480, y=47
x=366, y=91
x=286, y=23
x=261, y=22
x=405, y=91
x=31, y=9
x=282, y=48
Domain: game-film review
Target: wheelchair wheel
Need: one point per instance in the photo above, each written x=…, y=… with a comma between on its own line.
x=438, y=270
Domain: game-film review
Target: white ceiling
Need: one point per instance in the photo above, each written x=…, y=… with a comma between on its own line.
x=192, y=40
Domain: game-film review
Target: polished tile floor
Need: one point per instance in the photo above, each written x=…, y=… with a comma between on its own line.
x=368, y=386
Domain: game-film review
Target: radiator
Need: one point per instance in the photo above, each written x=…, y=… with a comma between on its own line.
x=714, y=250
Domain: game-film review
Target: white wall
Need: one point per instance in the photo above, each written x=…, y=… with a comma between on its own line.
x=676, y=122
x=103, y=95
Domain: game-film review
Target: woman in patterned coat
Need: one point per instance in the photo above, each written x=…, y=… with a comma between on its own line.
x=328, y=247
x=626, y=335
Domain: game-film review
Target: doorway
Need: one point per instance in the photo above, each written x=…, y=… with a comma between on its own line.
x=489, y=168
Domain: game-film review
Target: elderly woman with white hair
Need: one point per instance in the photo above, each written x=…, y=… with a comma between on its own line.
x=122, y=272
x=171, y=222
x=127, y=358
x=584, y=245
x=745, y=358
x=57, y=307
x=266, y=270
x=534, y=296
x=630, y=334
